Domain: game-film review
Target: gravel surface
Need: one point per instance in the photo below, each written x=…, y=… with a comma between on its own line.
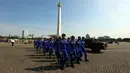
x=23, y=58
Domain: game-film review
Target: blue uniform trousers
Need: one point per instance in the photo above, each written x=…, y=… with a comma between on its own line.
x=84, y=51
x=51, y=50
x=79, y=52
x=73, y=55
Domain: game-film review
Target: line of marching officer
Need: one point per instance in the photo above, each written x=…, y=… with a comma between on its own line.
x=68, y=49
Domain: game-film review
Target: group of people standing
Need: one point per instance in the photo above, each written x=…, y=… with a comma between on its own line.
x=69, y=49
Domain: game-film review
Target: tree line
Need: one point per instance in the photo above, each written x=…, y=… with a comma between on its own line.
x=108, y=38
x=102, y=38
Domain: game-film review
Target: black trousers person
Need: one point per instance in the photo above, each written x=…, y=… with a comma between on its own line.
x=12, y=43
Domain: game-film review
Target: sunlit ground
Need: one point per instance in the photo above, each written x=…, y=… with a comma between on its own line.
x=24, y=59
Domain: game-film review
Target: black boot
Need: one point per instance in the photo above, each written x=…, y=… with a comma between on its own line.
x=44, y=54
x=36, y=49
x=49, y=56
x=12, y=43
x=72, y=65
x=62, y=65
x=78, y=61
x=62, y=68
x=86, y=60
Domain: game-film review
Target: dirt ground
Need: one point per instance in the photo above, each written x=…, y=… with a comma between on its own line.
x=23, y=58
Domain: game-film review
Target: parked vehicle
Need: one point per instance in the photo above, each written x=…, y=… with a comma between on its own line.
x=94, y=45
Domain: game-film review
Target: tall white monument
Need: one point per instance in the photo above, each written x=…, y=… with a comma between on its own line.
x=59, y=19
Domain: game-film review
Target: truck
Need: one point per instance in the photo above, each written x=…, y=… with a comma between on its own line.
x=95, y=45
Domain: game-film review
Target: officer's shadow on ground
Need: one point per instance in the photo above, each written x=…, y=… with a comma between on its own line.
x=42, y=58
x=31, y=50
x=44, y=61
x=37, y=56
x=43, y=68
x=34, y=51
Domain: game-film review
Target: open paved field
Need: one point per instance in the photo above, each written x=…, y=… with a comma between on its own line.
x=24, y=59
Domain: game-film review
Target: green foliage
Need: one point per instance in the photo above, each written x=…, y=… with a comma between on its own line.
x=126, y=39
x=13, y=37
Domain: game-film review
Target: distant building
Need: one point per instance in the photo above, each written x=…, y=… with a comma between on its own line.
x=25, y=34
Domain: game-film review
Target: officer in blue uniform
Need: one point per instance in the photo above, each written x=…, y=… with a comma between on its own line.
x=37, y=44
x=40, y=45
x=44, y=46
x=34, y=42
x=57, y=45
x=73, y=54
x=47, y=43
x=51, y=47
x=68, y=46
x=64, y=52
x=83, y=48
x=78, y=47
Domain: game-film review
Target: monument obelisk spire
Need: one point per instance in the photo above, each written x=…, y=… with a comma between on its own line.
x=59, y=19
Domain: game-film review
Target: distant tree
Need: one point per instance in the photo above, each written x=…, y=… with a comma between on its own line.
x=112, y=39
x=106, y=37
x=87, y=36
x=100, y=38
x=126, y=39
x=14, y=37
x=93, y=37
x=9, y=36
x=29, y=35
x=119, y=39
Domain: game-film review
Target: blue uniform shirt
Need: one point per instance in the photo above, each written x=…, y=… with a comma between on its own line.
x=63, y=44
x=73, y=45
x=68, y=47
x=57, y=45
x=50, y=44
x=78, y=44
x=82, y=44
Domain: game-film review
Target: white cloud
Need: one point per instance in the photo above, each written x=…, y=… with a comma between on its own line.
x=120, y=5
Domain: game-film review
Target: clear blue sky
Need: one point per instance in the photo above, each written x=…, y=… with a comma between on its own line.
x=95, y=17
